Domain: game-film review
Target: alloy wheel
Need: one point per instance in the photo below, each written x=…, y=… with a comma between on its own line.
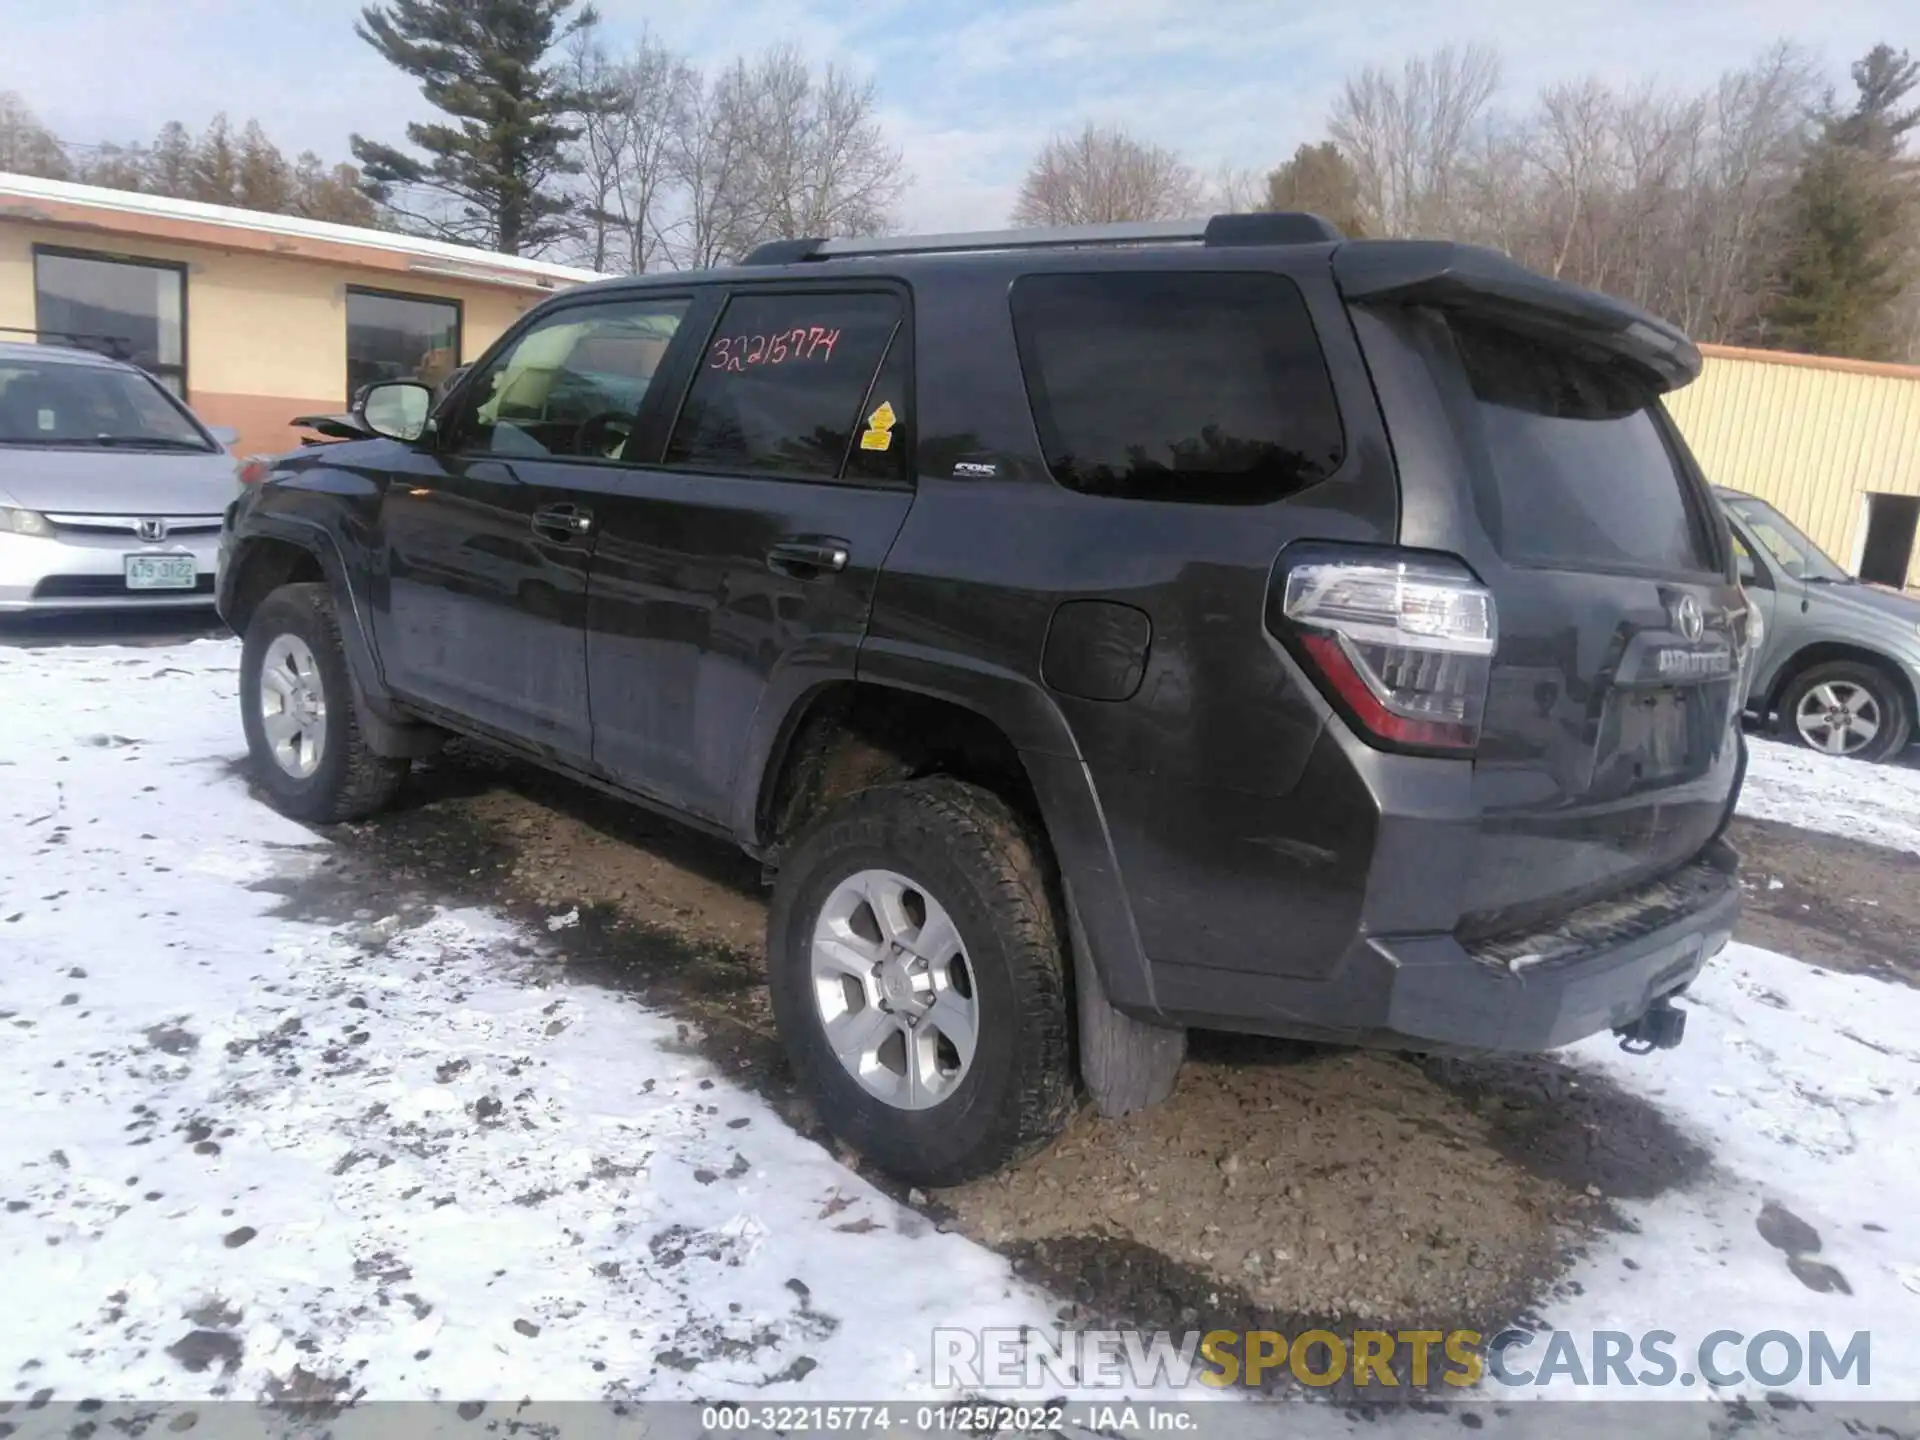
x=894, y=989
x=1839, y=717
x=293, y=706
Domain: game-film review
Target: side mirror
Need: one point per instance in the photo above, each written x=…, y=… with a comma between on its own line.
x=225, y=434
x=397, y=409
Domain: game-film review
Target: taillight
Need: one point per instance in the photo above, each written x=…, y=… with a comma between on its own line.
x=254, y=469
x=1403, y=645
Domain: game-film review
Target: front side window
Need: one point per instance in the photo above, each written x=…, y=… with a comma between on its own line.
x=123, y=308
x=572, y=385
x=783, y=388
x=67, y=406
x=400, y=337
x=1177, y=386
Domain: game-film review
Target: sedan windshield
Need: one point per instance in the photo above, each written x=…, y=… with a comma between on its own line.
x=61, y=404
x=1792, y=551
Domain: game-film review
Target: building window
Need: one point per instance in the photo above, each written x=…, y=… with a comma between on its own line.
x=135, y=310
x=400, y=337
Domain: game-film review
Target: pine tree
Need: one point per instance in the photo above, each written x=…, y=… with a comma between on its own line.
x=1319, y=179
x=171, y=163
x=484, y=66
x=1850, y=253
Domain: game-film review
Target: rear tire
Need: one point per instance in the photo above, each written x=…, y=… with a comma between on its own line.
x=847, y=979
x=1832, y=708
x=315, y=765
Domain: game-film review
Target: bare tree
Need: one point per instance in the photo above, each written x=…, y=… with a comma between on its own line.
x=1671, y=199
x=26, y=146
x=627, y=149
x=1235, y=190
x=818, y=160
x=709, y=163
x=1408, y=136
x=1102, y=175
x=773, y=149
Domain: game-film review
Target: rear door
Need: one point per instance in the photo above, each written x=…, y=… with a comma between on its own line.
x=741, y=562
x=1609, y=743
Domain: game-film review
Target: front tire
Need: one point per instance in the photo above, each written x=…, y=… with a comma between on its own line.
x=297, y=706
x=1847, y=709
x=918, y=980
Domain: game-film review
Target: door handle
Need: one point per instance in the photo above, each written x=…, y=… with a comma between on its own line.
x=562, y=522
x=808, y=559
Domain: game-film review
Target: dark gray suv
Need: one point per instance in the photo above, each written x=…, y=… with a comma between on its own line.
x=1839, y=659
x=1095, y=633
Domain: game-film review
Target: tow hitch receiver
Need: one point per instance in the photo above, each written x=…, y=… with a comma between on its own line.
x=1661, y=1028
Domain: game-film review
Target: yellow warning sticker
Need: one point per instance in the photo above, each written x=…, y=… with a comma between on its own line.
x=883, y=419
x=876, y=440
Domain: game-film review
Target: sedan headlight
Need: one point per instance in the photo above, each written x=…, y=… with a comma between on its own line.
x=24, y=522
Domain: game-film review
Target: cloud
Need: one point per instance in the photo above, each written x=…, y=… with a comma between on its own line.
x=969, y=93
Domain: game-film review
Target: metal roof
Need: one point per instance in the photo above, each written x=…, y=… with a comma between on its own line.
x=460, y=261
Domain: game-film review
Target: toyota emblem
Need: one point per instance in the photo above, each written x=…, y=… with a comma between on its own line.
x=1687, y=618
x=151, y=530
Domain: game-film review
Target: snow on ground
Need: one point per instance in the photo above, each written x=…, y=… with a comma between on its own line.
x=1879, y=804
x=1805, y=1086
x=236, y=1144
x=409, y=1157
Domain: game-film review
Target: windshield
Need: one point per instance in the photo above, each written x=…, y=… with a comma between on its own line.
x=1792, y=551
x=60, y=404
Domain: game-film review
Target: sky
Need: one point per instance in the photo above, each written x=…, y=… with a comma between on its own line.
x=968, y=90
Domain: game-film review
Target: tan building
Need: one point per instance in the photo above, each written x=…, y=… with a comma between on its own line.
x=1833, y=444
x=252, y=318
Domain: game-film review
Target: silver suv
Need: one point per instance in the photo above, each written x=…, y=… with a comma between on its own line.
x=1839, y=663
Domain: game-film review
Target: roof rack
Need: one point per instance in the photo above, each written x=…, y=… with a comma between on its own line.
x=1282, y=228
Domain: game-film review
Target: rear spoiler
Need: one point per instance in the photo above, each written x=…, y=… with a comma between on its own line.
x=1473, y=280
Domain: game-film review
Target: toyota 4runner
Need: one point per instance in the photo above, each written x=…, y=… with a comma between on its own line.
x=1095, y=633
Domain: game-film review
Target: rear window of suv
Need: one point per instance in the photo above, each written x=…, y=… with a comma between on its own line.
x=1183, y=386
x=1582, y=473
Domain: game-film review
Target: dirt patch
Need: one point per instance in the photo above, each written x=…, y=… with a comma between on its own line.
x=1315, y=1184
x=1284, y=1184
x=1830, y=901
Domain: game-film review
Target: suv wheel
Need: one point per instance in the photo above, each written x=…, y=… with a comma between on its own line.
x=296, y=704
x=1846, y=708
x=918, y=981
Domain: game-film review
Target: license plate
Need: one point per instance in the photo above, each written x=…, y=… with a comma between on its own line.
x=162, y=572
x=1654, y=732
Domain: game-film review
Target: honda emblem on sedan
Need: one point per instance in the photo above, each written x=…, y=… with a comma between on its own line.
x=157, y=530
x=1687, y=618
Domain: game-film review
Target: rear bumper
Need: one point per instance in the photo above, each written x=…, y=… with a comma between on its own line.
x=1598, y=969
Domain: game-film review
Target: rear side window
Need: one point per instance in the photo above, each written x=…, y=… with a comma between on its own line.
x=1582, y=474
x=1204, y=388
x=782, y=387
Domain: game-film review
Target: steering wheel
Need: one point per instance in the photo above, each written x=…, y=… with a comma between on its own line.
x=604, y=435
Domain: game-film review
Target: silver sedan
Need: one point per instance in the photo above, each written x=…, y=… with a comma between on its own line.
x=111, y=491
